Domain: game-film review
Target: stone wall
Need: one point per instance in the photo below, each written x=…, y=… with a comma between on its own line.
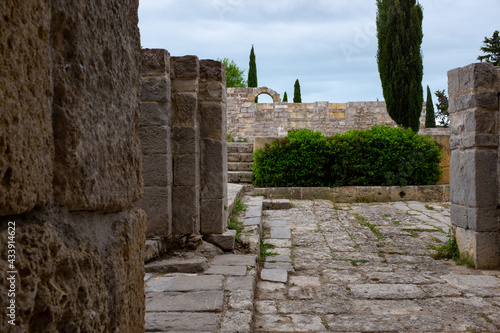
x=475, y=163
x=183, y=133
x=247, y=119
x=70, y=167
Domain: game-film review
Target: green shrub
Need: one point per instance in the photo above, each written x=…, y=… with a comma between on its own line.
x=381, y=156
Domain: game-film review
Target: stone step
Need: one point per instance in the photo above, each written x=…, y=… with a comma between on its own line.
x=239, y=177
x=239, y=147
x=239, y=166
x=240, y=157
x=177, y=265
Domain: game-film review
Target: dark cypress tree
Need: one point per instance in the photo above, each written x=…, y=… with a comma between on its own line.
x=285, y=97
x=399, y=59
x=252, y=72
x=296, y=92
x=430, y=118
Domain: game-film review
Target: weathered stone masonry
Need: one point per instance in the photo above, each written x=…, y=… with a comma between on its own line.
x=475, y=163
x=70, y=166
x=183, y=132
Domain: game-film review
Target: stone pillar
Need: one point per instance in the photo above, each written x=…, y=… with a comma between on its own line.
x=155, y=136
x=474, y=110
x=185, y=145
x=212, y=104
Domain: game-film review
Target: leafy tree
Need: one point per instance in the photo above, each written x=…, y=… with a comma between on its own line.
x=492, y=49
x=442, y=108
x=430, y=119
x=399, y=59
x=252, y=72
x=234, y=75
x=285, y=97
x=296, y=92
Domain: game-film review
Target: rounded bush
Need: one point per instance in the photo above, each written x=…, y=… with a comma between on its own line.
x=380, y=156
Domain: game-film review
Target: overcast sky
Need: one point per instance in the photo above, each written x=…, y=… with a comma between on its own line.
x=330, y=46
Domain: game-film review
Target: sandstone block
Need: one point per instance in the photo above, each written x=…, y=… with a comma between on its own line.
x=185, y=67
x=155, y=139
x=212, y=70
x=483, y=100
x=213, y=121
x=155, y=61
x=212, y=90
x=155, y=114
x=186, y=170
x=225, y=241
x=311, y=193
x=185, y=109
x=403, y=193
x=185, y=85
x=458, y=189
x=156, y=89
x=96, y=105
x=478, y=75
x=481, y=121
x=212, y=216
x=458, y=215
x=181, y=321
x=374, y=193
x=185, y=140
x=185, y=210
x=214, y=169
x=157, y=170
x=430, y=193
x=156, y=202
x=26, y=144
x=344, y=194
x=481, y=178
x=482, y=219
x=482, y=247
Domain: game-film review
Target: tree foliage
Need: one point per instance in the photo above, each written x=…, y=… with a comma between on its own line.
x=234, y=75
x=430, y=118
x=285, y=97
x=399, y=59
x=252, y=70
x=442, y=108
x=492, y=49
x=296, y=92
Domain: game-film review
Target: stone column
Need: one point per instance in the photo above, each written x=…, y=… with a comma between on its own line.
x=185, y=145
x=155, y=136
x=212, y=104
x=474, y=110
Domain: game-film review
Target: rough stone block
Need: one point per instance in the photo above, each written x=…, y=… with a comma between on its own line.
x=185, y=210
x=481, y=121
x=196, y=301
x=453, y=83
x=155, y=139
x=185, y=85
x=458, y=215
x=478, y=75
x=483, y=100
x=225, y=240
x=155, y=114
x=87, y=259
x=185, y=140
x=195, y=264
x=215, y=91
x=430, y=193
x=482, y=247
x=26, y=144
x=458, y=185
x=186, y=170
x=95, y=105
x=374, y=193
x=181, y=321
x=212, y=70
x=311, y=193
x=157, y=170
x=156, y=89
x=482, y=219
x=155, y=61
x=212, y=216
x=403, y=193
x=481, y=178
x=156, y=202
x=185, y=109
x=344, y=194
x=186, y=67
x=213, y=121
x=214, y=169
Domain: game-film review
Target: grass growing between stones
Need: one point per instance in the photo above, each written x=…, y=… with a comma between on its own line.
x=449, y=250
x=234, y=223
x=364, y=222
x=264, y=251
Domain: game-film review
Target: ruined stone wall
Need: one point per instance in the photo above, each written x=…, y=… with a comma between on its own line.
x=183, y=132
x=70, y=167
x=247, y=119
x=475, y=164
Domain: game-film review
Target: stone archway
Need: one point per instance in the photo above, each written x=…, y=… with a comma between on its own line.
x=264, y=90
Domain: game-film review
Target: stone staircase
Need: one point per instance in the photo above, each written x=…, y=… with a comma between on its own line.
x=239, y=162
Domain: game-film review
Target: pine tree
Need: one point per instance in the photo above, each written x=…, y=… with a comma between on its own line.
x=285, y=97
x=399, y=59
x=252, y=72
x=492, y=49
x=442, y=108
x=430, y=119
x=296, y=92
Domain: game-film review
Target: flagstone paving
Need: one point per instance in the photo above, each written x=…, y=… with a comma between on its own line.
x=363, y=267
x=367, y=268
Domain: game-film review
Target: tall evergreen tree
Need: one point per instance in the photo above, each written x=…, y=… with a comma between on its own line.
x=399, y=59
x=252, y=72
x=442, y=108
x=285, y=97
x=296, y=92
x=430, y=118
x=492, y=49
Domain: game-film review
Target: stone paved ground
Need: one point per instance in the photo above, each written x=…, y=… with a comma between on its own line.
x=366, y=268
